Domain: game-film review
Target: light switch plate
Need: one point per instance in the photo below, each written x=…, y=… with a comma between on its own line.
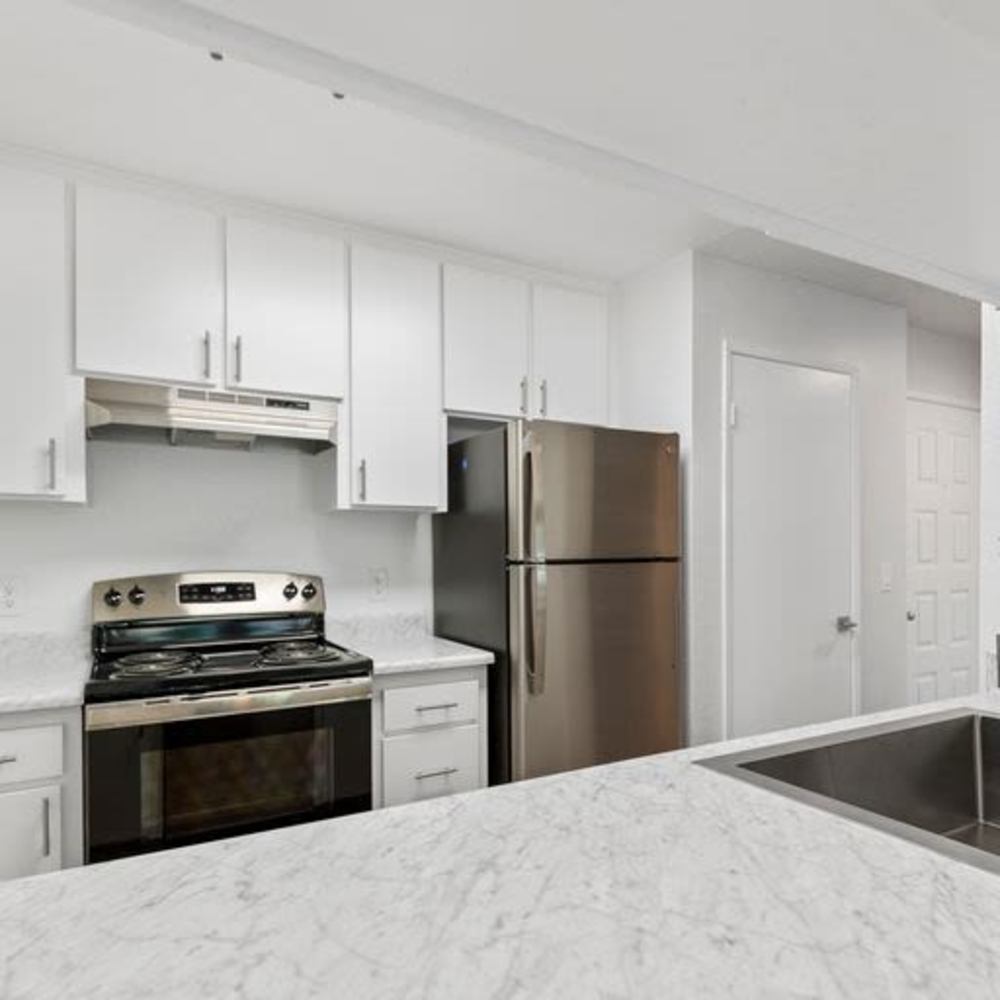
x=11, y=596
x=379, y=579
x=886, y=577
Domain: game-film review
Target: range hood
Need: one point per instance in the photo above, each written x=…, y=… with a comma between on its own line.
x=229, y=417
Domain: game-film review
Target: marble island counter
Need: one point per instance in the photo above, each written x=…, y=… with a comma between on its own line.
x=649, y=878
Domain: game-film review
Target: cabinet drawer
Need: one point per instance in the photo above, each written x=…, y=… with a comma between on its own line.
x=426, y=765
x=427, y=705
x=30, y=754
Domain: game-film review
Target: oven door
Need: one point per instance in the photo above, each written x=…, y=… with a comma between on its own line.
x=166, y=772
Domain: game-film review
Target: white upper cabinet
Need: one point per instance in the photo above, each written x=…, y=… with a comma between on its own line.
x=41, y=405
x=396, y=418
x=486, y=334
x=570, y=340
x=149, y=288
x=286, y=310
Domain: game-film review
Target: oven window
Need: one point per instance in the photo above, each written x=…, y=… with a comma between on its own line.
x=157, y=786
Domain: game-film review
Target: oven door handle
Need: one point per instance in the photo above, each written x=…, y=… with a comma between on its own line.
x=178, y=708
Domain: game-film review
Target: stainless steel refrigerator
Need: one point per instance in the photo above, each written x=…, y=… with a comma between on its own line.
x=560, y=552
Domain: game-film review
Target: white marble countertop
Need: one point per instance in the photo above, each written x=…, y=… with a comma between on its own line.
x=425, y=652
x=400, y=644
x=41, y=670
x=649, y=878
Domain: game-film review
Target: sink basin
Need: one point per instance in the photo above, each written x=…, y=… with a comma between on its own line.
x=933, y=780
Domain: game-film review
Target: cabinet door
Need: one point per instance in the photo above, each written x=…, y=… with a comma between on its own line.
x=286, y=310
x=30, y=831
x=41, y=408
x=570, y=331
x=149, y=288
x=397, y=437
x=485, y=342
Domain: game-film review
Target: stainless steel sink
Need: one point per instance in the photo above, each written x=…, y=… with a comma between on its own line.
x=933, y=780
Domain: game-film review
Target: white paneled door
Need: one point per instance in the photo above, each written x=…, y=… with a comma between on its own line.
x=942, y=498
x=792, y=545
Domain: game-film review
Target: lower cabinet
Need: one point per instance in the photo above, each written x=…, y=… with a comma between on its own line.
x=41, y=800
x=429, y=733
x=30, y=831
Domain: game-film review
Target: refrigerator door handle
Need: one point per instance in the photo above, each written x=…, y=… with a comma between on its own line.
x=534, y=507
x=536, y=613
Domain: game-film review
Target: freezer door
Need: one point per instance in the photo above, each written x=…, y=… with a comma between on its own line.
x=594, y=664
x=590, y=493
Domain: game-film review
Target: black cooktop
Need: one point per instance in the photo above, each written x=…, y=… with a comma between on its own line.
x=151, y=673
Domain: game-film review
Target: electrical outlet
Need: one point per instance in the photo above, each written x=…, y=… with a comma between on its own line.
x=379, y=577
x=11, y=596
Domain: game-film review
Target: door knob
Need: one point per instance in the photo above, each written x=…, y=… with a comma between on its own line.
x=911, y=616
x=846, y=624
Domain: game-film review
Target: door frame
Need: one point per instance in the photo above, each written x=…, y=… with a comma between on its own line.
x=794, y=359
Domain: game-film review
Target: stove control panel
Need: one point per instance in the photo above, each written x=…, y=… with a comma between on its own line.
x=215, y=593
x=212, y=594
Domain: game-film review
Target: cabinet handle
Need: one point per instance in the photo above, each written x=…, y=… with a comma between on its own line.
x=239, y=359
x=437, y=708
x=524, y=395
x=544, y=389
x=207, y=354
x=46, y=827
x=443, y=773
x=363, y=480
x=52, y=464
x=8, y=758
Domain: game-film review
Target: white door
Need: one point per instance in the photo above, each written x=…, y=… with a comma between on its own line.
x=30, y=831
x=41, y=409
x=397, y=420
x=149, y=288
x=485, y=342
x=942, y=566
x=570, y=352
x=792, y=545
x=286, y=310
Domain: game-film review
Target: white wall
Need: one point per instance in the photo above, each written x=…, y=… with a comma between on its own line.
x=942, y=367
x=989, y=497
x=761, y=312
x=156, y=509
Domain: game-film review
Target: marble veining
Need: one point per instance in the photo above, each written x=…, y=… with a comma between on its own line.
x=401, y=644
x=40, y=670
x=649, y=878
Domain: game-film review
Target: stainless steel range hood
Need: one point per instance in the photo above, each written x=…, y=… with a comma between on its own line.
x=228, y=417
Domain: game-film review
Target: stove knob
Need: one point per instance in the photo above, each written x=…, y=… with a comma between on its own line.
x=309, y=591
x=113, y=598
x=137, y=595
x=290, y=591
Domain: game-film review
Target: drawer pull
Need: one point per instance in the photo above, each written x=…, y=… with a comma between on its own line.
x=8, y=758
x=46, y=827
x=437, y=708
x=443, y=773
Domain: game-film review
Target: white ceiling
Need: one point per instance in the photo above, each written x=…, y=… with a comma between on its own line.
x=81, y=84
x=927, y=308
x=875, y=119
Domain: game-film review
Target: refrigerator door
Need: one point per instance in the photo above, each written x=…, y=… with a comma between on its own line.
x=593, y=664
x=581, y=493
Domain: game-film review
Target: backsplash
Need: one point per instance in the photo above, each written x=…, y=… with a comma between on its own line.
x=155, y=509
